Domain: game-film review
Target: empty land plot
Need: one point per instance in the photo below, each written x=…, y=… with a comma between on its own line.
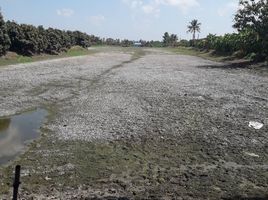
x=140, y=124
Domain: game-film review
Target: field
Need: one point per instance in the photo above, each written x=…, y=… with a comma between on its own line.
x=135, y=123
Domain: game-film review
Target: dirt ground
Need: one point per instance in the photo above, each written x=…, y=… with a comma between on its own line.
x=140, y=124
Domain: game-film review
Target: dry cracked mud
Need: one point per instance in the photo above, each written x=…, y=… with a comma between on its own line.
x=139, y=124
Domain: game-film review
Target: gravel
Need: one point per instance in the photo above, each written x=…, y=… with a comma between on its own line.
x=115, y=95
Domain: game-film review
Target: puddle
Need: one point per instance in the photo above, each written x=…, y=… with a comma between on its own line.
x=18, y=131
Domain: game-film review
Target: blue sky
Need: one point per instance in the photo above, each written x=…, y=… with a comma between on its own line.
x=132, y=19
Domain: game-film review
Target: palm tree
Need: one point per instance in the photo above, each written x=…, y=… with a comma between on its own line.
x=194, y=27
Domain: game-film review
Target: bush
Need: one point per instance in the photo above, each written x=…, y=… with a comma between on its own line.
x=184, y=43
x=126, y=43
x=4, y=38
x=251, y=20
x=240, y=44
x=30, y=40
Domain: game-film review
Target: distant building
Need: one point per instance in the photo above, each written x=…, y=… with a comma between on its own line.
x=137, y=44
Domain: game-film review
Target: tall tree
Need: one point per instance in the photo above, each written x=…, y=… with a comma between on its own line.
x=54, y=41
x=173, y=39
x=194, y=27
x=252, y=14
x=166, y=39
x=42, y=40
x=169, y=39
x=24, y=38
x=4, y=38
x=252, y=17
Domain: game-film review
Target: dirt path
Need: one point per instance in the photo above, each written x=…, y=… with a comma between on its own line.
x=140, y=124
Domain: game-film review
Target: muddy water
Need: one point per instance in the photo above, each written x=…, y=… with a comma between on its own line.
x=17, y=131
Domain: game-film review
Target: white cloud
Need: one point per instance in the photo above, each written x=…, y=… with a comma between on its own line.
x=136, y=4
x=97, y=20
x=150, y=9
x=65, y=12
x=181, y=4
x=154, y=6
x=133, y=4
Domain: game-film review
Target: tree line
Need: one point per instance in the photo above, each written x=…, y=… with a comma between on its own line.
x=251, y=39
x=29, y=40
x=129, y=43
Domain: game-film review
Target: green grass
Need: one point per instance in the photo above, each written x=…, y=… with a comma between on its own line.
x=203, y=54
x=77, y=51
x=13, y=58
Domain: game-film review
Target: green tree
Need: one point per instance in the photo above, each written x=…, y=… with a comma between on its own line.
x=29, y=40
x=194, y=27
x=252, y=18
x=54, y=41
x=166, y=39
x=94, y=40
x=173, y=40
x=169, y=40
x=16, y=35
x=156, y=43
x=24, y=38
x=42, y=40
x=81, y=39
x=112, y=42
x=126, y=43
x=4, y=38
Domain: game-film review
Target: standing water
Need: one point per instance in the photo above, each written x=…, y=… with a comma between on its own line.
x=17, y=131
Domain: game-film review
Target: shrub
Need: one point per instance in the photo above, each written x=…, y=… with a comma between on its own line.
x=29, y=40
x=251, y=20
x=4, y=38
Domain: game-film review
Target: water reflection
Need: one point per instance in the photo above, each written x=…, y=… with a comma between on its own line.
x=4, y=124
x=17, y=131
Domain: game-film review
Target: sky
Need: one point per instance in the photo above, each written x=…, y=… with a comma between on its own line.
x=125, y=19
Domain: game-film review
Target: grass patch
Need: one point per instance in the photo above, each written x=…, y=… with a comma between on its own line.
x=12, y=58
x=74, y=163
x=77, y=51
x=209, y=55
